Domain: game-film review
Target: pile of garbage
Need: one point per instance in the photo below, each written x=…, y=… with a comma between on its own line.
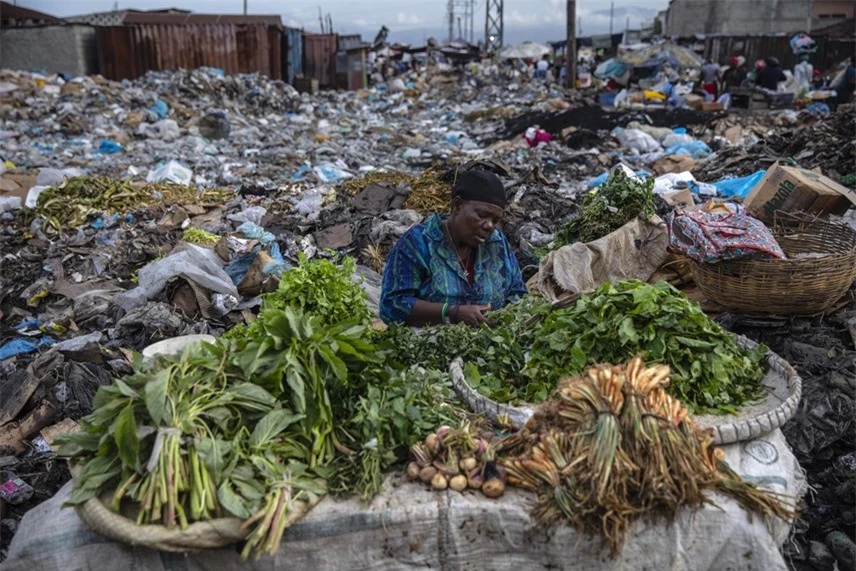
x=137, y=211
x=821, y=434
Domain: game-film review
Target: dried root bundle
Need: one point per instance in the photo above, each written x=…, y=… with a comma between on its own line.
x=611, y=445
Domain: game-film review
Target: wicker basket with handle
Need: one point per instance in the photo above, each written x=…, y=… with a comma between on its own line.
x=820, y=268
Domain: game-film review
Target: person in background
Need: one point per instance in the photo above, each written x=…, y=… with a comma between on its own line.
x=818, y=83
x=735, y=75
x=846, y=85
x=709, y=73
x=771, y=74
x=803, y=72
x=542, y=67
x=453, y=269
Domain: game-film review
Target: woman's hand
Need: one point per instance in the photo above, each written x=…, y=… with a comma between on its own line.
x=472, y=315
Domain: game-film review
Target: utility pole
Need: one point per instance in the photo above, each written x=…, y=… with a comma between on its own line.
x=611, y=15
x=451, y=20
x=571, y=48
x=245, y=7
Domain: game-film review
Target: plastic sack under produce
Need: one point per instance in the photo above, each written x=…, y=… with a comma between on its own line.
x=408, y=526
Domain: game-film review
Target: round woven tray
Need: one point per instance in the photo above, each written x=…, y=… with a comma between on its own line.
x=820, y=269
x=783, y=393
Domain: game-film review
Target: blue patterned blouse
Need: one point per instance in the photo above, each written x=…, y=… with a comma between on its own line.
x=423, y=265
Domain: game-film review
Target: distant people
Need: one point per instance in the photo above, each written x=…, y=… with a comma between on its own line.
x=542, y=67
x=735, y=75
x=845, y=83
x=803, y=72
x=771, y=74
x=709, y=73
x=818, y=82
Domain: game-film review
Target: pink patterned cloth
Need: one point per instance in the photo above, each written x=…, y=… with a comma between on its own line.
x=714, y=237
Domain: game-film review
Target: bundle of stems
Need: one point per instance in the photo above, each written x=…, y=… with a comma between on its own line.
x=611, y=445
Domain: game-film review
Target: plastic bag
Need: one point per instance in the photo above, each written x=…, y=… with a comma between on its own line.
x=171, y=172
x=255, y=232
x=193, y=263
x=741, y=187
x=635, y=139
x=253, y=214
x=165, y=130
x=695, y=149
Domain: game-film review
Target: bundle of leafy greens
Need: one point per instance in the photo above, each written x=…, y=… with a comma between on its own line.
x=710, y=372
x=256, y=427
x=320, y=287
x=607, y=208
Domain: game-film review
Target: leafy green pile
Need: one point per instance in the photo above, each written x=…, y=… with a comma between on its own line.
x=606, y=209
x=259, y=427
x=710, y=372
x=319, y=287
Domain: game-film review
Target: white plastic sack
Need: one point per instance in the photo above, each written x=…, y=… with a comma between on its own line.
x=634, y=139
x=171, y=172
x=165, y=130
x=636, y=250
x=191, y=262
x=409, y=526
x=666, y=183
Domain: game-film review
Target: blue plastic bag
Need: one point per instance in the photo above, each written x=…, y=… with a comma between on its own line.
x=256, y=232
x=160, y=109
x=741, y=187
x=22, y=346
x=695, y=149
x=108, y=147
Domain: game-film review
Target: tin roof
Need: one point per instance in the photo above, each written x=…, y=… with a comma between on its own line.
x=133, y=17
x=12, y=12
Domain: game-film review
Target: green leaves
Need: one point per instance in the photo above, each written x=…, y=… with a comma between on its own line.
x=272, y=425
x=710, y=372
x=615, y=203
x=155, y=392
x=125, y=433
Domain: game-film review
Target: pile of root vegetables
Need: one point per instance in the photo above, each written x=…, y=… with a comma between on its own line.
x=458, y=459
x=611, y=445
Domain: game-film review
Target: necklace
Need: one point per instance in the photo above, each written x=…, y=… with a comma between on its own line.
x=455, y=248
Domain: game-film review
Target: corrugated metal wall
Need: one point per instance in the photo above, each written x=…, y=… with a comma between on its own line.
x=319, y=58
x=292, y=53
x=721, y=48
x=127, y=52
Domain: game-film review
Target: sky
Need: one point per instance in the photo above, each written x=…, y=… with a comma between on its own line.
x=409, y=21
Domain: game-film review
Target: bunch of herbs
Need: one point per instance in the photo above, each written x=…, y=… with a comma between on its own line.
x=607, y=208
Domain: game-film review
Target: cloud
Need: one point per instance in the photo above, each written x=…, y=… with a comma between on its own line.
x=409, y=19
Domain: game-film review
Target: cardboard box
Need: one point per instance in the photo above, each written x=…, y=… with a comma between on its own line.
x=694, y=101
x=679, y=198
x=792, y=189
x=712, y=107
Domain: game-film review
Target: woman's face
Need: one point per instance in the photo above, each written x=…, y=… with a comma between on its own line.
x=474, y=221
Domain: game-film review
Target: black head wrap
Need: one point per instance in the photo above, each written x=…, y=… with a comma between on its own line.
x=480, y=185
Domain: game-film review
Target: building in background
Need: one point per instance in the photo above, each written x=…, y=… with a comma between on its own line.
x=34, y=41
x=686, y=18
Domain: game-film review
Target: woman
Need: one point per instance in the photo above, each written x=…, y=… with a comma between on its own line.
x=452, y=269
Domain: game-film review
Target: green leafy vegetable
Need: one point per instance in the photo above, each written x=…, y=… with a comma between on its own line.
x=606, y=209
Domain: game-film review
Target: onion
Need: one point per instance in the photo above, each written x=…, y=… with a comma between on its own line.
x=458, y=483
x=413, y=471
x=432, y=443
x=427, y=473
x=441, y=432
x=439, y=482
x=469, y=464
x=474, y=479
x=493, y=488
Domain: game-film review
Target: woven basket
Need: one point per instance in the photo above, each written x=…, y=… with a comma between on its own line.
x=796, y=286
x=783, y=392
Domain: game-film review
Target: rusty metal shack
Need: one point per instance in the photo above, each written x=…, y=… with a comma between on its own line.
x=319, y=58
x=157, y=41
x=351, y=68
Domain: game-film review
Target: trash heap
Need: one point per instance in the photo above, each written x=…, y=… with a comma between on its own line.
x=192, y=203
